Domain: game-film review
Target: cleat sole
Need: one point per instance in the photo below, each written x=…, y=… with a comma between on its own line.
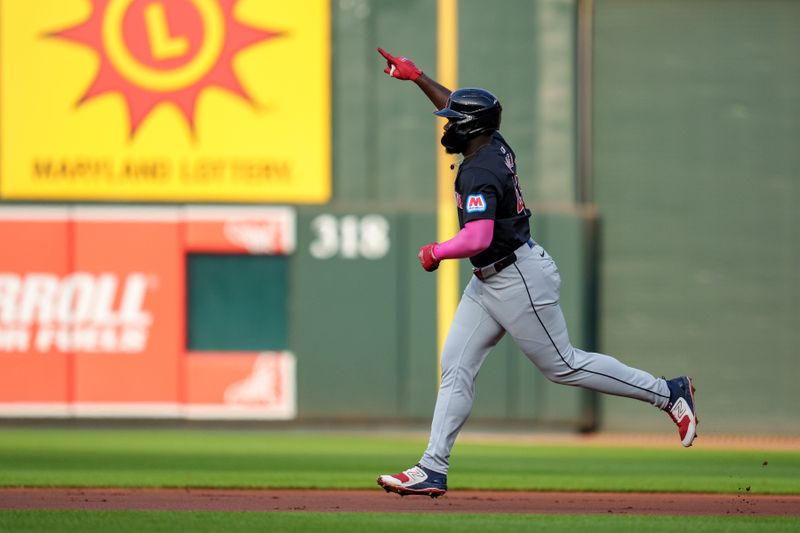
x=402, y=491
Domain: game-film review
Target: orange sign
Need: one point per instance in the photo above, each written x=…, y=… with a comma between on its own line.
x=257, y=230
x=92, y=316
x=31, y=372
x=244, y=385
x=128, y=318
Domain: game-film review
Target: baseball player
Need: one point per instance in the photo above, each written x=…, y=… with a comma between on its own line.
x=514, y=289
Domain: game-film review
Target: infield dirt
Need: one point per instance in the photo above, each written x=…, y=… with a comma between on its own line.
x=505, y=502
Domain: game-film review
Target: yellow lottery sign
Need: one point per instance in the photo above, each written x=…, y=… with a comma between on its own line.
x=165, y=100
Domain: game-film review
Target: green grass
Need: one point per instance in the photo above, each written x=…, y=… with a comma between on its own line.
x=191, y=458
x=199, y=522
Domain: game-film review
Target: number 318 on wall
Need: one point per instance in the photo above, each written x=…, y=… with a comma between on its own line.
x=350, y=237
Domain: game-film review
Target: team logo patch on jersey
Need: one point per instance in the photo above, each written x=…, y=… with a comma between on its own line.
x=459, y=201
x=476, y=203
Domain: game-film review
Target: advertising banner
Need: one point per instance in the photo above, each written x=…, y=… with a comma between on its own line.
x=93, y=314
x=33, y=261
x=179, y=100
x=244, y=385
x=127, y=306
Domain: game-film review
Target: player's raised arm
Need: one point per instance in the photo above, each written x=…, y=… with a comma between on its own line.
x=403, y=68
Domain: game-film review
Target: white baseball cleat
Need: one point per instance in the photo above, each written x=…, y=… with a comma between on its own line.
x=417, y=480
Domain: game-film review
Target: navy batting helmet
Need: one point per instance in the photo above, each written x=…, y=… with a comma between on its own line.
x=470, y=111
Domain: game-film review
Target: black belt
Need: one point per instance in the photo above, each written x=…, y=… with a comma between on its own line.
x=484, y=273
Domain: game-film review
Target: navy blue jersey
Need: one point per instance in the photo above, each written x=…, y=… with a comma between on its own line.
x=487, y=187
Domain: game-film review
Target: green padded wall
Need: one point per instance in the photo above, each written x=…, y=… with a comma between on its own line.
x=385, y=137
x=697, y=176
x=237, y=302
x=384, y=133
x=363, y=329
x=524, y=52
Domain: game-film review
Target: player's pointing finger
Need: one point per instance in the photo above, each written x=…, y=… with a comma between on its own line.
x=385, y=54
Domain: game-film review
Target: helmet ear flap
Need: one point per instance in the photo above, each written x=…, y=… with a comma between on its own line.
x=456, y=135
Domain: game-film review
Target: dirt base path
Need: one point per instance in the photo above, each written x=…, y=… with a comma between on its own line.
x=378, y=501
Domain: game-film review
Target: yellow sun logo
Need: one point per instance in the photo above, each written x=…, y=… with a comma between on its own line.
x=159, y=51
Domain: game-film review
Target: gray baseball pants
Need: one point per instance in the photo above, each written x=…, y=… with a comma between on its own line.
x=521, y=300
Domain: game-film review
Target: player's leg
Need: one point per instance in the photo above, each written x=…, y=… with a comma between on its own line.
x=526, y=302
x=562, y=363
x=473, y=333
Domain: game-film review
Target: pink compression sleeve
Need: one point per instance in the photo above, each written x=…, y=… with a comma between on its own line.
x=474, y=237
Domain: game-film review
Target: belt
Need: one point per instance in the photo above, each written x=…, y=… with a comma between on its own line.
x=484, y=273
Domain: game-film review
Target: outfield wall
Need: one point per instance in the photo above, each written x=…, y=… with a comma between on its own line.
x=696, y=173
x=223, y=312
x=678, y=124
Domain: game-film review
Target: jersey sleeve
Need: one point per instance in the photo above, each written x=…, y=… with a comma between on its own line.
x=480, y=190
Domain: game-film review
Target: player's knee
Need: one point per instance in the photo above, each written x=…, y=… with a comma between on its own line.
x=456, y=375
x=559, y=369
x=567, y=376
x=556, y=376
